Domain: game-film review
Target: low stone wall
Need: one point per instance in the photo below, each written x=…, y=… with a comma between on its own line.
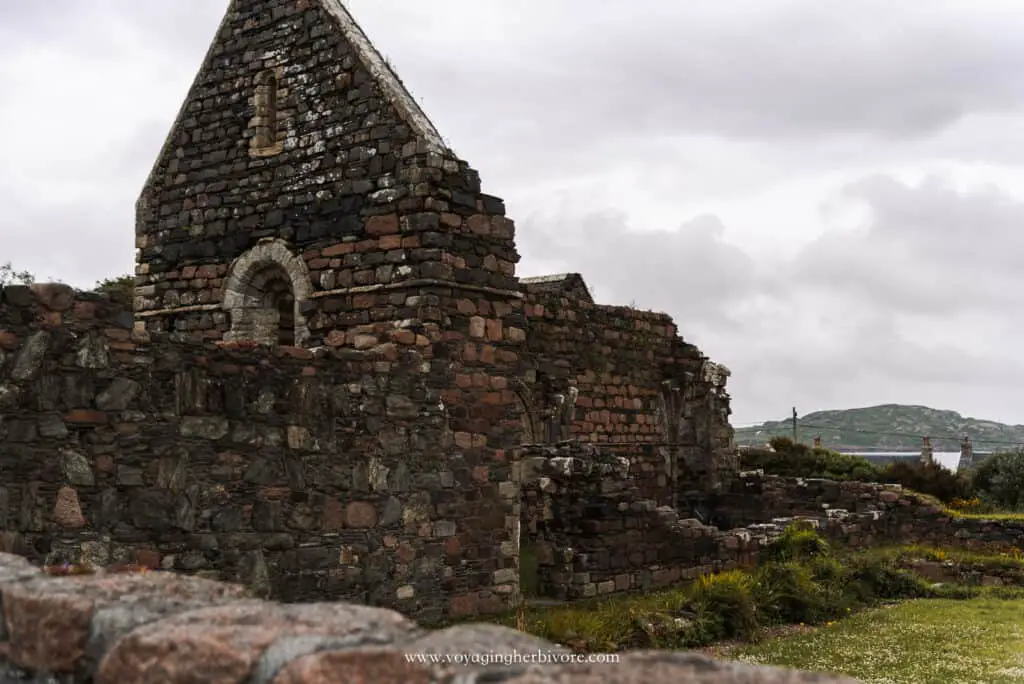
x=593, y=534
x=141, y=628
x=860, y=513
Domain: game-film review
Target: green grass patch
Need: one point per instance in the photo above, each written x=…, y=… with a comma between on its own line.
x=929, y=641
x=1008, y=559
x=983, y=516
x=802, y=580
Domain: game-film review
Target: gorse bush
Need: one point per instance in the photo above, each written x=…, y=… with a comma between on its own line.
x=883, y=578
x=797, y=542
x=786, y=592
x=789, y=459
x=999, y=480
x=724, y=604
x=929, y=478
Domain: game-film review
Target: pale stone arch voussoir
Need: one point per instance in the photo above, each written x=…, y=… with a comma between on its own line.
x=264, y=295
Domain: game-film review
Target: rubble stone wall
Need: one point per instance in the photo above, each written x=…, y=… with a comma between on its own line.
x=593, y=533
x=308, y=474
x=636, y=386
x=860, y=513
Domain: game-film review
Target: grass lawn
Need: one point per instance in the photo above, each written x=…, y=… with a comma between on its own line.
x=928, y=641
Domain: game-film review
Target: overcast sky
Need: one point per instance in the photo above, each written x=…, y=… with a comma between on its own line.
x=828, y=196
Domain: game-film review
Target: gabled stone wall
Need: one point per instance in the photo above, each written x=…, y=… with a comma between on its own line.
x=347, y=176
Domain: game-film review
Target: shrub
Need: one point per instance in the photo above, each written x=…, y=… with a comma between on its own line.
x=724, y=605
x=999, y=479
x=797, y=542
x=789, y=459
x=929, y=478
x=874, y=576
x=786, y=592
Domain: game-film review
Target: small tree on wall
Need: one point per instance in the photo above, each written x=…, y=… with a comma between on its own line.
x=124, y=283
x=9, y=276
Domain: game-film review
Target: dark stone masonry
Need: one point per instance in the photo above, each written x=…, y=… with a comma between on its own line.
x=331, y=385
x=325, y=381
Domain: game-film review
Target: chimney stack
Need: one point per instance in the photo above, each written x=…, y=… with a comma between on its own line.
x=927, y=455
x=966, y=456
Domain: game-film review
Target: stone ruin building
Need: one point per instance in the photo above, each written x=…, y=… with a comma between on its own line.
x=331, y=383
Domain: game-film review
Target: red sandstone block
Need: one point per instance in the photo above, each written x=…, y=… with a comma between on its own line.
x=452, y=546
x=363, y=301
x=404, y=337
x=296, y=353
x=382, y=225
x=479, y=224
x=274, y=493
x=390, y=242
x=361, y=515
x=467, y=604
x=333, y=515
x=50, y=319
x=339, y=249
x=147, y=558
x=85, y=417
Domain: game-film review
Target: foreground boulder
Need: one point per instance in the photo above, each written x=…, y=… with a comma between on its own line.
x=140, y=627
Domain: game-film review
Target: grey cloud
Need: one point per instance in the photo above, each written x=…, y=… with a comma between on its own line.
x=103, y=27
x=691, y=271
x=922, y=300
x=77, y=242
x=764, y=69
x=926, y=249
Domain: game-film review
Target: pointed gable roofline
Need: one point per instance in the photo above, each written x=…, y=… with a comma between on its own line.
x=381, y=72
x=369, y=57
x=568, y=284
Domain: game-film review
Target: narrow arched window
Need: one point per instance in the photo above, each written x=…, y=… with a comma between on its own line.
x=266, y=137
x=269, y=112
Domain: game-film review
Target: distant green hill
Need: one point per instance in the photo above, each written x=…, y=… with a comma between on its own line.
x=890, y=427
